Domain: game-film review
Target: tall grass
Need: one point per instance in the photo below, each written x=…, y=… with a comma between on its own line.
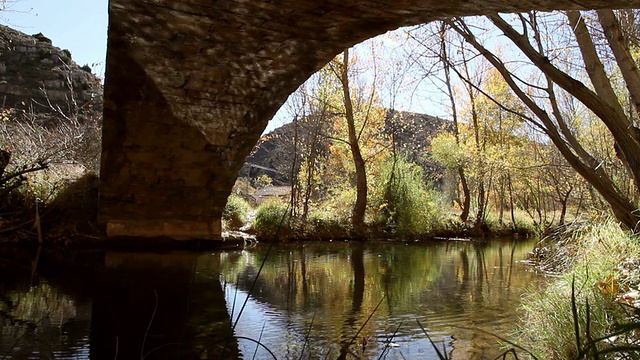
x=402, y=200
x=272, y=220
x=581, y=313
x=236, y=212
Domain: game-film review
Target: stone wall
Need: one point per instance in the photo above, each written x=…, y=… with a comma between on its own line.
x=34, y=73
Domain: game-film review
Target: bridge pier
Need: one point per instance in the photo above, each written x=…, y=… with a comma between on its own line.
x=160, y=175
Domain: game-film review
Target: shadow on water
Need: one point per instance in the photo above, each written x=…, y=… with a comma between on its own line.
x=312, y=300
x=111, y=306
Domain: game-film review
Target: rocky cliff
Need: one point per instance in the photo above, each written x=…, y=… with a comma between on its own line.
x=35, y=75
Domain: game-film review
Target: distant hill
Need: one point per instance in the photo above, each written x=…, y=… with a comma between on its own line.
x=413, y=134
x=37, y=76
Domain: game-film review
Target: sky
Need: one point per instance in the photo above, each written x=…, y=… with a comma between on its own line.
x=77, y=25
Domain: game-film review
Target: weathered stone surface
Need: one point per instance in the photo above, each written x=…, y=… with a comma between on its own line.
x=36, y=75
x=195, y=82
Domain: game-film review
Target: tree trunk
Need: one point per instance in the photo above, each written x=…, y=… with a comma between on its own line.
x=618, y=44
x=466, y=194
x=511, y=206
x=295, y=184
x=311, y=160
x=481, y=205
x=360, y=206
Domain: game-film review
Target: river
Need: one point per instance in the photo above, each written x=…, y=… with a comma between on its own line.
x=326, y=300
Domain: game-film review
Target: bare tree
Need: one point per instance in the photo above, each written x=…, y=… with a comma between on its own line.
x=444, y=57
x=602, y=101
x=360, y=206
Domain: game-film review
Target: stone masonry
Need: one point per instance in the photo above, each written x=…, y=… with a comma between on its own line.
x=191, y=84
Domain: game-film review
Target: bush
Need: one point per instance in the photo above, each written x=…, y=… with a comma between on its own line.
x=236, y=212
x=42, y=154
x=325, y=225
x=272, y=220
x=402, y=201
x=337, y=208
x=598, y=292
x=75, y=206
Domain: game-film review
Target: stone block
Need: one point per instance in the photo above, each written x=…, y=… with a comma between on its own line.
x=179, y=230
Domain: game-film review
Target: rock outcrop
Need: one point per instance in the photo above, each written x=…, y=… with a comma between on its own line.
x=37, y=76
x=413, y=134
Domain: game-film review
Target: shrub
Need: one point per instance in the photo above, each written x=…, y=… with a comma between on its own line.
x=337, y=208
x=323, y=224
x=263, y=181
x=76, y=203
x=402, y=201
x=236, y=212
x=272, y=220
x=42, y=153
x=46, y=152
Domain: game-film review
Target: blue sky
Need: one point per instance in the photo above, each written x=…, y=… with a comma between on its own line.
x=77, y=25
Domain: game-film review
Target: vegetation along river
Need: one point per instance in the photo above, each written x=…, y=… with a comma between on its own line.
x=311, y=300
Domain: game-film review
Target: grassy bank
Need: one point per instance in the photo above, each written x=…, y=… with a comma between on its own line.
x=589, y=308
x=418, y=218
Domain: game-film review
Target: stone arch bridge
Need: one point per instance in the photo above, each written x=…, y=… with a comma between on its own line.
x=191, y=84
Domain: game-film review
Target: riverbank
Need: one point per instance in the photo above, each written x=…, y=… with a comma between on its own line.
x=589, y=308
x=70, y=220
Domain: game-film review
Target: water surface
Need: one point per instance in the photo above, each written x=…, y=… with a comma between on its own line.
x=310, y=300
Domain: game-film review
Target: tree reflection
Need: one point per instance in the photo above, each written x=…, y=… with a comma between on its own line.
x=36, y=316
x=340, y=284
x=177, y=305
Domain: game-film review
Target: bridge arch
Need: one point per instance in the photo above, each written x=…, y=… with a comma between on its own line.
x=191, y=84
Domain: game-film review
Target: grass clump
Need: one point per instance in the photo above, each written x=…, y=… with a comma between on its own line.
x=272, y=220
x=236, y=213
x=403, y=203
x=590, y=310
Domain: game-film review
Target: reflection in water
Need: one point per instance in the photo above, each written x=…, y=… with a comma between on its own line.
x=320, y=296
x=37, y=320
x=317, y=300
x=112, y=306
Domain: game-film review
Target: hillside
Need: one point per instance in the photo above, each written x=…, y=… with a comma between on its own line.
x=413, y=134
x=37, y=76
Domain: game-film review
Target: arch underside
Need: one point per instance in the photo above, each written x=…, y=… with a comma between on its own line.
x=191, y=84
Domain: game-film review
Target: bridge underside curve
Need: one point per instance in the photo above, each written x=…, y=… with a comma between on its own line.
x=191, y=85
